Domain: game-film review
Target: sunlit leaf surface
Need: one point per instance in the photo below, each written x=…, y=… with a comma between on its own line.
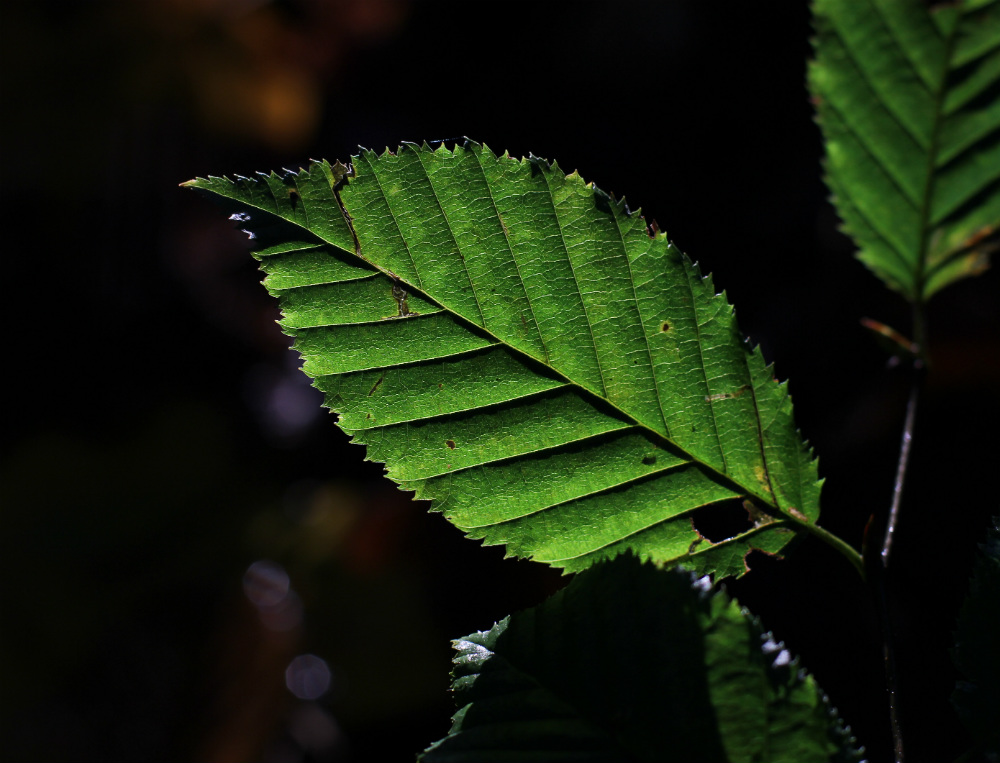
x=518, y=348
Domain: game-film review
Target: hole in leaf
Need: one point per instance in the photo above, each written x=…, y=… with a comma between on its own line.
x=760, y=561
x=721, y=521
x=649, y=460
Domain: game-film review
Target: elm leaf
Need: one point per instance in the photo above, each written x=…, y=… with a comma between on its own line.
x=519, y=348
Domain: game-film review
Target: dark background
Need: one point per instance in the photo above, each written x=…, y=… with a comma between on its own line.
x=158, y=438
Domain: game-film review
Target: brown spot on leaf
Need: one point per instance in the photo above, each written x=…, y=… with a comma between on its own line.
x=757, y=515
x=399, y=294
x=727, y=395
x=665, y=327
x=797, y=514
x=977, y=237
x=450, y=444
x=762, y=478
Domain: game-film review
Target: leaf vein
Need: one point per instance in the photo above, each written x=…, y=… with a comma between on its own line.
x=638, y=312
x=865, y=77
x=648, y=476
x=576, y=282
x=395, y=222
x=451, y=234
x=510, y=250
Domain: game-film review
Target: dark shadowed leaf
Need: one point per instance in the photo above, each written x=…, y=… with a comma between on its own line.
x=977, y=697
x=908, y=97
x=635, y=663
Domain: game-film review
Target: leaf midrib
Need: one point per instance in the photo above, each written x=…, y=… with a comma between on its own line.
x=921, y=279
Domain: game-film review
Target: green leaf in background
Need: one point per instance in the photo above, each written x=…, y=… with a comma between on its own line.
x=517, y=347
x=632, y=662
x=908, y=98
x=977, y=698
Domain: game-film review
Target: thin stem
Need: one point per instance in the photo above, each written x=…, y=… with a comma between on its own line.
x=879, y=579
x=835, y=542
x=904, y=462
x=889, y=655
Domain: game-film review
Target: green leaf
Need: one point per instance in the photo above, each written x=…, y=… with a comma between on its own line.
x=908, y=98
x=977, y=698
x=519, y=349
x=631, y=662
